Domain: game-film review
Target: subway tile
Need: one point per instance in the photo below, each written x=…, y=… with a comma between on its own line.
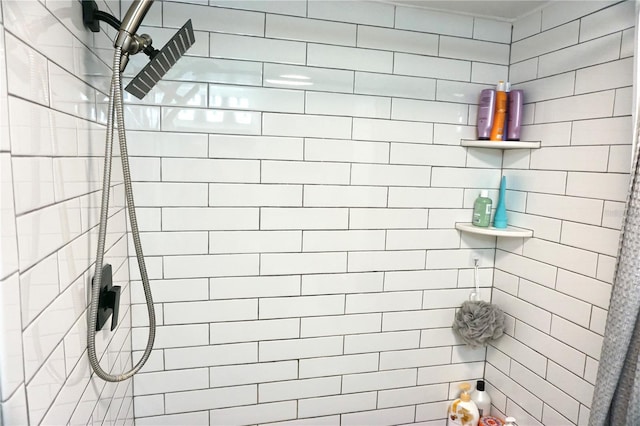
x=518, y=393
x=252, y=287
x=433, y=67
x=338, y=404
x=321, y=79
x=173, y=93
x=392, y=360
x=598, y=320
x=391, y=130
x=411, y=320
x=584, y=288
x=612, y=215
x=302, y=263
x=300, y=348
x=38, y=288
x=489, y=73
x=420, y=280
x=552, y=134
x=619, y=157
x=218, y=218
x=306, y=126
x=526, y=312
x=201, y=266
x=627, y=46
x=12, y=358
x=579, y=56
x=473, y=50
x=397, y=40
x=549, y=393
x=256, y=49
x=169, y=243
x=254, y=241
x=303, y=29
x=301, y=306
x=378, y=380
x=594, y=238
x=298, y=389
x=580, y=107
x=550, y=347
x=291, y=7
x=213, y=70
x=582, y=210
x=352, y=240
x=464, y=177
x=389, y=175
x=527, y=26
x=245, y=195
x=255, y=98
x=372, y=218
x=386, y=260
x=256, y=147
x=591, y=370
x=205, y=356
x=429, y=21
x=555, y=302
x=623, y=102
x=523, y=71
x=171, y=381
x=254, y=413
x=580, y=338
x=210, y=311
x=431, y=412
x=33, y=183
x=389, y=416
x=412, y=395
x=167, y=194
x=461, y=258
x=210, y=121
x=524, y=354
x=45, y=385
x=233, y=375
x=573, y=259
x=547, y=41
x=26, y=61
x=592, y=158
x=345, y=196
x=206, y=399
x=349, y=58
x=605, y=76
x=425, y=197
x=149, y=405
x=148, y=144
x=344, y=364
x=498, y=360
x=451, y=372
x=454, y=91
x=606, y=268
x=491, y=30
x=443, y=112
x=213, y=20
x=381, y=302
x=373, y=342
x=340, y=325
x=609, y=186
x=347, y=105
x=360, y=13
x=195, y=418
x=71, y=95
x=515, y=410
x=303, y=218
x=395, y=85
x=558, y=13
x=307, y=172
x=609, y=20
x=247, y=331
x=342, y=283
x=542, y=89
x=346, y=151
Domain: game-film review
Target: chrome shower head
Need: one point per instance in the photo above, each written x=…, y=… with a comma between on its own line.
x=162, y=61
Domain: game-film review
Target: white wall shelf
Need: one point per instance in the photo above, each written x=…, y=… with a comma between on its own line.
x=500, y=144
x=508, y=232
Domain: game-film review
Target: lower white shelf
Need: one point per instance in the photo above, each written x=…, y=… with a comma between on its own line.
x=509, y=231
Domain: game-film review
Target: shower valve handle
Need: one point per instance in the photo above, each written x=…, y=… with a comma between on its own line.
x=109, y=301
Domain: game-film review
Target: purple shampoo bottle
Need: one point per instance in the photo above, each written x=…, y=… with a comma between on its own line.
x=514, y=121
x=486, y=110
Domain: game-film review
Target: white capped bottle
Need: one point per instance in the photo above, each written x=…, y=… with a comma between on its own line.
x=482, y=399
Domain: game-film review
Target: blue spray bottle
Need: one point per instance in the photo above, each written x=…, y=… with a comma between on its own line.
x=500, y=218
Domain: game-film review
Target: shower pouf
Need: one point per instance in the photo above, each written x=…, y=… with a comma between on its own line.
x=478, y=322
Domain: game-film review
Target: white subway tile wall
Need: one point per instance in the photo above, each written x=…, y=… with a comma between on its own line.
x=52, y=75
x=288, y=210
x=555, y=287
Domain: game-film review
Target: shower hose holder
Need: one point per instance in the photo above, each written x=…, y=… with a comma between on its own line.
x=109, y=300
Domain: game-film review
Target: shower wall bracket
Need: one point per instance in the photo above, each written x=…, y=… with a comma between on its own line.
x=109, y=301
x=91, y=16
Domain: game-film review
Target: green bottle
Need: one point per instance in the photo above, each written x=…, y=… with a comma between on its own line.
x=482, y=210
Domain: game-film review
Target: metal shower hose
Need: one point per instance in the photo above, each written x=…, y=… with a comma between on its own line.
x=115, y=104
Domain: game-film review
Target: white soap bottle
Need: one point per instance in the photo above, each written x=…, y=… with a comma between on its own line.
x=510, y=421
x=482, y=399
x=463, y=411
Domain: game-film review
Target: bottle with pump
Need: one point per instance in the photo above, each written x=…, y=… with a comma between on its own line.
x=482, y=210
x=510, y=421
x=486, y=109
x=500, y=115
x=463, y=411
x=482, y=399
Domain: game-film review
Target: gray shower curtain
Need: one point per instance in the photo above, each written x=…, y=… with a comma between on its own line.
x=616, y=399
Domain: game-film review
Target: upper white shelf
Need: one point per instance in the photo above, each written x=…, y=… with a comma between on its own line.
x=500, y=144
x=510, y=231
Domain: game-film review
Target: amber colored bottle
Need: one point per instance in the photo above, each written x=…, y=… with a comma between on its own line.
x=500, y=115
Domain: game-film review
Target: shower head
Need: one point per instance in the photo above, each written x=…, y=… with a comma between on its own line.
x=162, y=61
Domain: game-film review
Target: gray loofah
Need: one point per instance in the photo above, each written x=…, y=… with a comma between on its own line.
x=478, y=322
